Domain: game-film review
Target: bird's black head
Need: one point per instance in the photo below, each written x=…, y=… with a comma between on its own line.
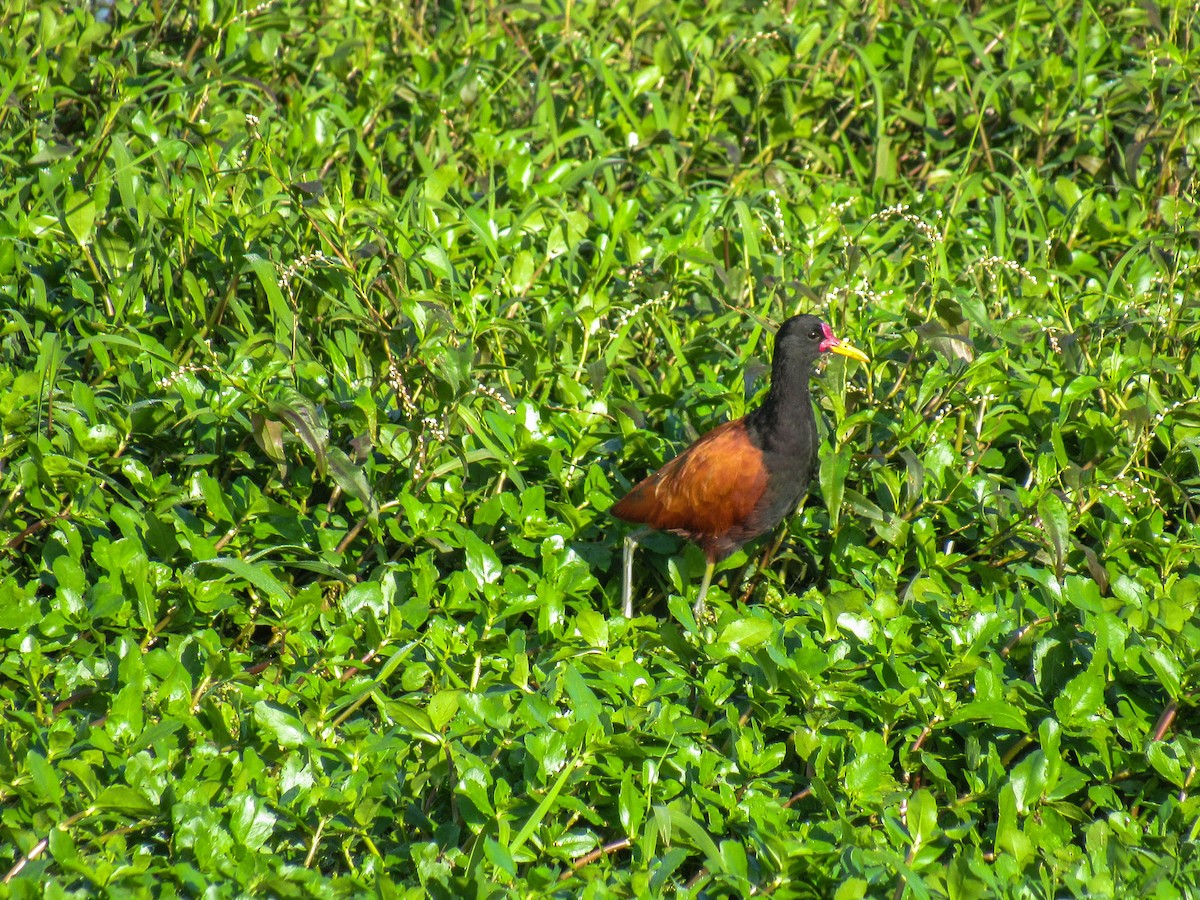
x=801, y=336
x=804, y=338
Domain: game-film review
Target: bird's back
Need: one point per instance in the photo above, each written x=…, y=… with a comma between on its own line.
x=707, y=494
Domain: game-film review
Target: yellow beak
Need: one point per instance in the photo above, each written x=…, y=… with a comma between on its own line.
x=843, y=349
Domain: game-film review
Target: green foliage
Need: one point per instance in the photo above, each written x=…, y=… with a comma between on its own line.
x=331, y=334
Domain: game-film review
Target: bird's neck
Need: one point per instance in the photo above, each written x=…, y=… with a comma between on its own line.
x=786, y=416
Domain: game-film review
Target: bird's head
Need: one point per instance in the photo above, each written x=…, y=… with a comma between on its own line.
x=809, y=337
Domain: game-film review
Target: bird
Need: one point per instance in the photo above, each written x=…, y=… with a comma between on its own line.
x=740, y=480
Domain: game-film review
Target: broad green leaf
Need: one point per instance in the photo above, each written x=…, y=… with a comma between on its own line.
x=443, y=707
x=991, y=712
x=592, y=627
x=255, y=573
x=922, y=817
x=125, y=800
x=281, y=725
x=500, y=857
x=80, y=216
x=46, y=781
x=584, y=703
x=125, y=716
x=251, y=822
x=742, y=634
x=1165, y=759
x=1028, y=780
x=834, y=468
x=482, y=562
x=1080, y=698
x=1166, y=668
x=869, y=774
x=1010, y=837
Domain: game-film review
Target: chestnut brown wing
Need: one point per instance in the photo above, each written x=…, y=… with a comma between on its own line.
x=708, y=493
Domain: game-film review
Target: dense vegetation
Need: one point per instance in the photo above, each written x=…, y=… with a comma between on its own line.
x=332, y=331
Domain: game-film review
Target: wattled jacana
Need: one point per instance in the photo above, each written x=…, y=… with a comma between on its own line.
x=741, y=479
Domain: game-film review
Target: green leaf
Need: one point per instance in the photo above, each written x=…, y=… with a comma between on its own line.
x=351, y=478
x=305, y=420
x=869, y=774
x=125, y=716
x=45, y=780
x=631, y=806
x=500, y=857
x=415, y=720
x=80, y=216
x=482, y=562
x=538, y=815
x=744, y=634
x=851, y=889
x=443, y=707
x=438, y=260
x=268, y=278
x=834, y=468
x=922, y=817
x=695, y=832
x=268, y=434
x=592, y=627
x=255, y=573
x=251, y=823
x=584, y=704
x=733, y=860
x=442, y=179
x=1058, y=529
x=1080, y=698
x=1028, y=780
x=992, y=712
x=125, y=800
x=1166, y=668
x=281, y=725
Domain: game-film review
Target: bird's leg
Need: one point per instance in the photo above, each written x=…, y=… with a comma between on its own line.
x=631, y=542
x=764, y=560
x=699, y=611
x=767, y=557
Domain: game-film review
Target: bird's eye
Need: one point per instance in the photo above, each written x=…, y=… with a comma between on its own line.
x=814, y=334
